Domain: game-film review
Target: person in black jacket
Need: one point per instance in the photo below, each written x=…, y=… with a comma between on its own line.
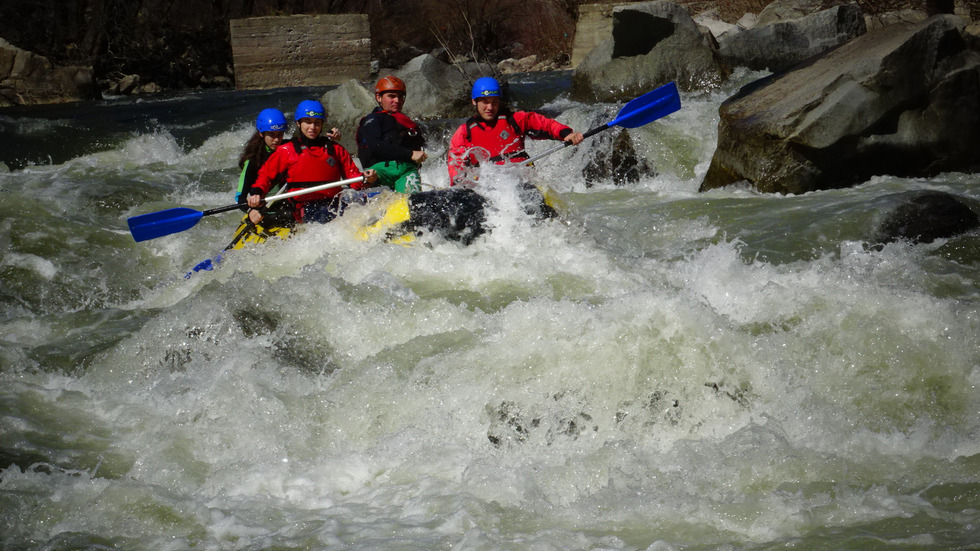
x=389, y=142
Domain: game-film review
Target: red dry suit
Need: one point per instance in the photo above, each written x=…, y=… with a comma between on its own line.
x=498, y=142
x=307, y=163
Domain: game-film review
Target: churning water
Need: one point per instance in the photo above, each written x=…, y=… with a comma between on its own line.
x=660, y=369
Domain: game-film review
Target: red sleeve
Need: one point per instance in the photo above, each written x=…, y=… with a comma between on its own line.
x=277, y=163
x=347, y=165
x=529, y=120
x=458, y=150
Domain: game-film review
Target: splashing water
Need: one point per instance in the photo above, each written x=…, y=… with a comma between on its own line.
x=656, y=369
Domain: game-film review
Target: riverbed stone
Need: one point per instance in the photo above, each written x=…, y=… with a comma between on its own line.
x=788, y=10
x=903, y=100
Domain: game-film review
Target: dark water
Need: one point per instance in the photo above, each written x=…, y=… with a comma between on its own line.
x=660, y=369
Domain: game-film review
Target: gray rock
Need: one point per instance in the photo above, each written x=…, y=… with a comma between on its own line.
x=345, y=106
x=522, y=65
x=716, y=27
x=747, y=21
x=787, y=10
x=885, y=19
x=922, y=216
x=782, y=44
x=904, y=100
x=619, y=163
x=437, y=89
x=27, y=78
x=652, y=43
x=149, y=88
x=128, y=84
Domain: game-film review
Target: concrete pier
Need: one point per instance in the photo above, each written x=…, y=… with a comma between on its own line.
x=300, y=50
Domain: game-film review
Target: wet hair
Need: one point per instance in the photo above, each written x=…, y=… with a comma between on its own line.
x=254, y=149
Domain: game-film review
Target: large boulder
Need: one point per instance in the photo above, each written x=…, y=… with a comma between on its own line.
x=27, y=78
x=903, y=100
x=436, y=90
x=783, y=43
x=652, y=43
x=345, y=106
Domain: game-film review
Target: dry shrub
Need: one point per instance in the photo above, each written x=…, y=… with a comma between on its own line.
x=549, y=33
x=479, y=29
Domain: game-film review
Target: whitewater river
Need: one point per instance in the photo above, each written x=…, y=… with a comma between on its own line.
x=660, y=369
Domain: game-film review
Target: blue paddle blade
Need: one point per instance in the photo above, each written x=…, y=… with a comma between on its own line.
x=164, y=222
x=648, y=107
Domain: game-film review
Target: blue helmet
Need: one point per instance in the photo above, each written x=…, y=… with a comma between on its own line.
x=271, y=120
x=311, y=109
x=486, y=87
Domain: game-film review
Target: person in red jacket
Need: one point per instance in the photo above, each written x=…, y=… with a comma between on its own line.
x=496, y=134
x=307, y=160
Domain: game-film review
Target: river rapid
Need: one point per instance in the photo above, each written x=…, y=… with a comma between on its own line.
x=657, y=370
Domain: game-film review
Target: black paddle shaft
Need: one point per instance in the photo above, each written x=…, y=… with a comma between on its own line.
x=595, y=131
x=225, y=208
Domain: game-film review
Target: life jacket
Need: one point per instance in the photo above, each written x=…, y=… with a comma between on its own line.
x=314, y=165
x=410, y=134
x=411, y=127
x=504, y=136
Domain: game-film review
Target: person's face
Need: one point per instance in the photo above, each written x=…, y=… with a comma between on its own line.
x=272, y=139
x=310, y=128
x=487, y=108
x=391, y=102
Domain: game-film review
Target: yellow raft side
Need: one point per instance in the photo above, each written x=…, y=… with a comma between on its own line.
x=552, y=199
x=251, y=234
x=387, y=214
x=383, y=216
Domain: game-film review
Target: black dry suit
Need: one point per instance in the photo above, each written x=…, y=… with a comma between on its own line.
x=383, y=136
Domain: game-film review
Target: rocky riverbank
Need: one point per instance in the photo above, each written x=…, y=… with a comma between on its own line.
x=79, y=49
x=847, y=99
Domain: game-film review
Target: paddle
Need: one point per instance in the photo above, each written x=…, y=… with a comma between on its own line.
x=166, y=222
x=642, y=110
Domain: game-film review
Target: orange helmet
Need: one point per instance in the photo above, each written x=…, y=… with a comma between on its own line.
x=389, y=84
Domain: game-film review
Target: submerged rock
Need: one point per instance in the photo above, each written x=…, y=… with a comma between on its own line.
x=621, y=164
x=923, y=216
